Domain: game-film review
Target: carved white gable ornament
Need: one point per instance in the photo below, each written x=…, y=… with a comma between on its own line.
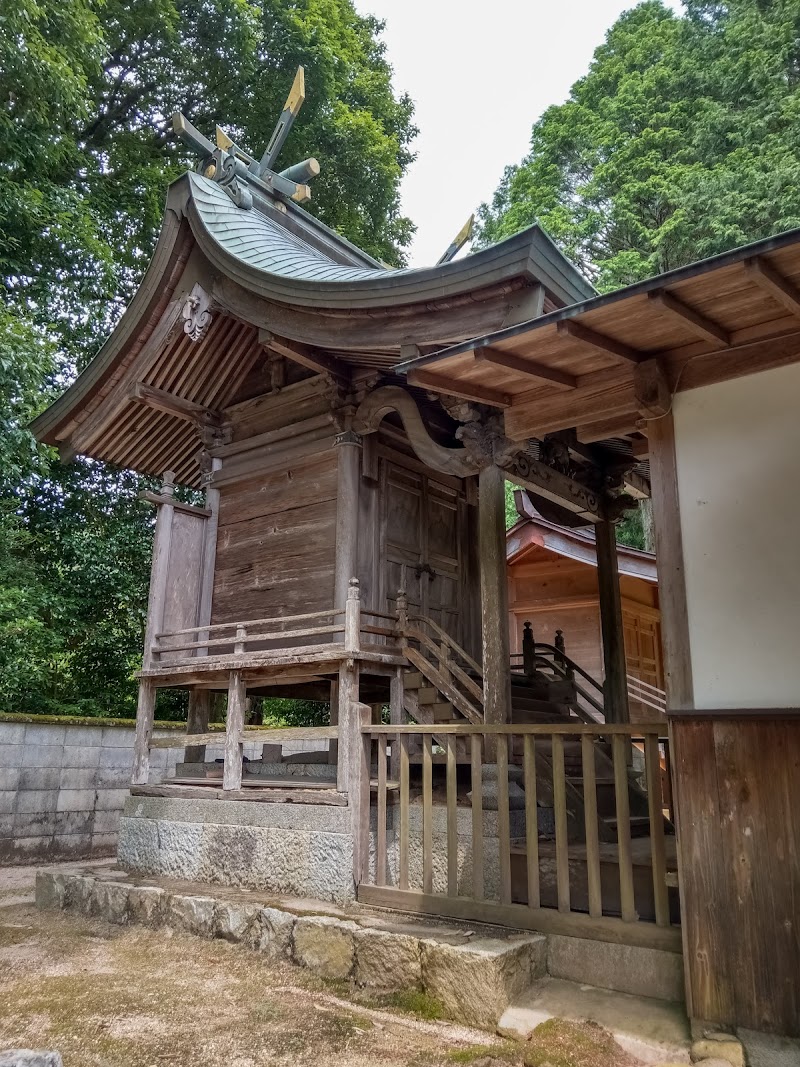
x=196, y=314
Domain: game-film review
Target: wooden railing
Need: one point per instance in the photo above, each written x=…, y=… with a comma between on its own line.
x=540, y=867
x=441, y=661
x=238, y=638
x=645, y=693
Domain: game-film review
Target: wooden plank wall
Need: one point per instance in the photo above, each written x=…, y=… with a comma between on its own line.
x=182, y=589
x=737, y=789
x=276, y=545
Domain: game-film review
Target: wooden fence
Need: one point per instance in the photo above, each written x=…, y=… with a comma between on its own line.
x=467, y=859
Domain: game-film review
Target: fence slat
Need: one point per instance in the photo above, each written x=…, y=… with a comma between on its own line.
x=452, y=820
x=560, y=812
x=427, y=815
x=404, y=788
x=503, y=821
x=590, y=815
x=380, y=851
x=531, y=821
x=657, y=844
x=477, y=816
x=627, y=903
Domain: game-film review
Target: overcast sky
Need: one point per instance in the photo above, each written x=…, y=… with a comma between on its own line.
x=480, y=74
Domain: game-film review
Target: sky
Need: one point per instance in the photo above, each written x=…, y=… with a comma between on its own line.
x=480, y=74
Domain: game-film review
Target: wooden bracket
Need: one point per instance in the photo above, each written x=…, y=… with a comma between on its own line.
x=703, y=327
x=600, y=341
x=651, y=389
x=306, y=355
x=160, y=400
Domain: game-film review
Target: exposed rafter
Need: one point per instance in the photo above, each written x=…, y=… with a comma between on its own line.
x=479, y=394
x=306, y=355
x=160, y=400
x=599, y=341
x=528, y=367
x=765, y=276
x=699, y=324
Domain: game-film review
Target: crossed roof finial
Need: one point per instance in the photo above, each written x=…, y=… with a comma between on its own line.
x=236, y=170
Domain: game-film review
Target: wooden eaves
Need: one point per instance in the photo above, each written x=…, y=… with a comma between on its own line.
x=607, y=365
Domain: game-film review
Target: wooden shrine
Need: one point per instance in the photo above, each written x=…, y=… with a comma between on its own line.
x=332, y=438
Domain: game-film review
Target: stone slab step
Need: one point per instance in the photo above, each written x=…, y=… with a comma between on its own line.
x=474, y=976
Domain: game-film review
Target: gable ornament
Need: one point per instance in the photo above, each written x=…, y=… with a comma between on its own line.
x=196, y=313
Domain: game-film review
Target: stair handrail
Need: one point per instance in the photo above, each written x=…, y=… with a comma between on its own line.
x=567, y=668
x=449, y=678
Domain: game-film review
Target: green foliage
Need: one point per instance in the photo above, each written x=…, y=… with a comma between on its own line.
x=512, y=516
x=278, y=711
x=680, y=142
x=87, y=89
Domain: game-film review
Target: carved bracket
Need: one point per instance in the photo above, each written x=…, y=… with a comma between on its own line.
x=377, y=405
x=196, y=313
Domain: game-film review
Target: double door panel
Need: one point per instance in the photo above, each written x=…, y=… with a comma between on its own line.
x=422, y=545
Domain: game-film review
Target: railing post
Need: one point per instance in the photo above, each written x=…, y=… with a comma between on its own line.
x=159, y=570
x=234, y=726
x=241, y=634
x=528, y=650
x=352, y=617
x=354, y=749
x=562, y=652
x=402, y=611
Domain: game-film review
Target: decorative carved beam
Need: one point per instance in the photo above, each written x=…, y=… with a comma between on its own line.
x=699, y=324
x=767, y=278
x=532, y=474
x=599, y=341
x=377, y=405
x=160, y=400
x=530, y=368
x=306, y=355
x=479, y=394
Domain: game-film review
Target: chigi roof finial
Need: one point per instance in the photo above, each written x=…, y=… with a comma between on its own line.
x=237, y=171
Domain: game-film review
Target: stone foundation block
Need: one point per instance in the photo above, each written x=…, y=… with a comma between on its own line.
x=325, y=945
x=25, y=1057
x=147, y=905
x=275, y=933
x=730, y=1052
x=476, y=982
x=109, y=901
x=386, y=960
x=80, y=890
x=51, y=890
x=237, y=922
x=193, y=915
x=646, y=972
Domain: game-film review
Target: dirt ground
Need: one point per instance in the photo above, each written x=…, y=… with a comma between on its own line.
x=110, y=996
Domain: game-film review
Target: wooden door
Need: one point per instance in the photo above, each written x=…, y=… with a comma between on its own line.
x=421, y=545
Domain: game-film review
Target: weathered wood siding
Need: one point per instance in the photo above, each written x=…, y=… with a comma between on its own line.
x=276, y=544
x=737, y=789
x=182, y=589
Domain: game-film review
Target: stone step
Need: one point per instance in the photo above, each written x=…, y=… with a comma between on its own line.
x=474, y=977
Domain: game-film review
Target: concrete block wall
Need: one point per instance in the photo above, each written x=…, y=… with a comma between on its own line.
x=63, y=787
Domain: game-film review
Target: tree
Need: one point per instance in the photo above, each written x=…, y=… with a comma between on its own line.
x=680, y=142
x=87, y=150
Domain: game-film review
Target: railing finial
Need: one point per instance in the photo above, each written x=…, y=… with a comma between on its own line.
x=354, y=589
x=168, y=484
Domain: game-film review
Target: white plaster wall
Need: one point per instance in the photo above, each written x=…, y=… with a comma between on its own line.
x=738, y=459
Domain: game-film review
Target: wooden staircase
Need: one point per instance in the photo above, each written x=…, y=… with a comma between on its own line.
x=443, y=685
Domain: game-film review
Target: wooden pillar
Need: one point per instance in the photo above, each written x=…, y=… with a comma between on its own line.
x=156, y=599
x=669, y=562
x=615, y=687
x=358, y=747
x=348, y=446
x=145, y=712
x=494, y=595
x=234, y=725
x=349, y=687
x=208, y=560
x=197, y=723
